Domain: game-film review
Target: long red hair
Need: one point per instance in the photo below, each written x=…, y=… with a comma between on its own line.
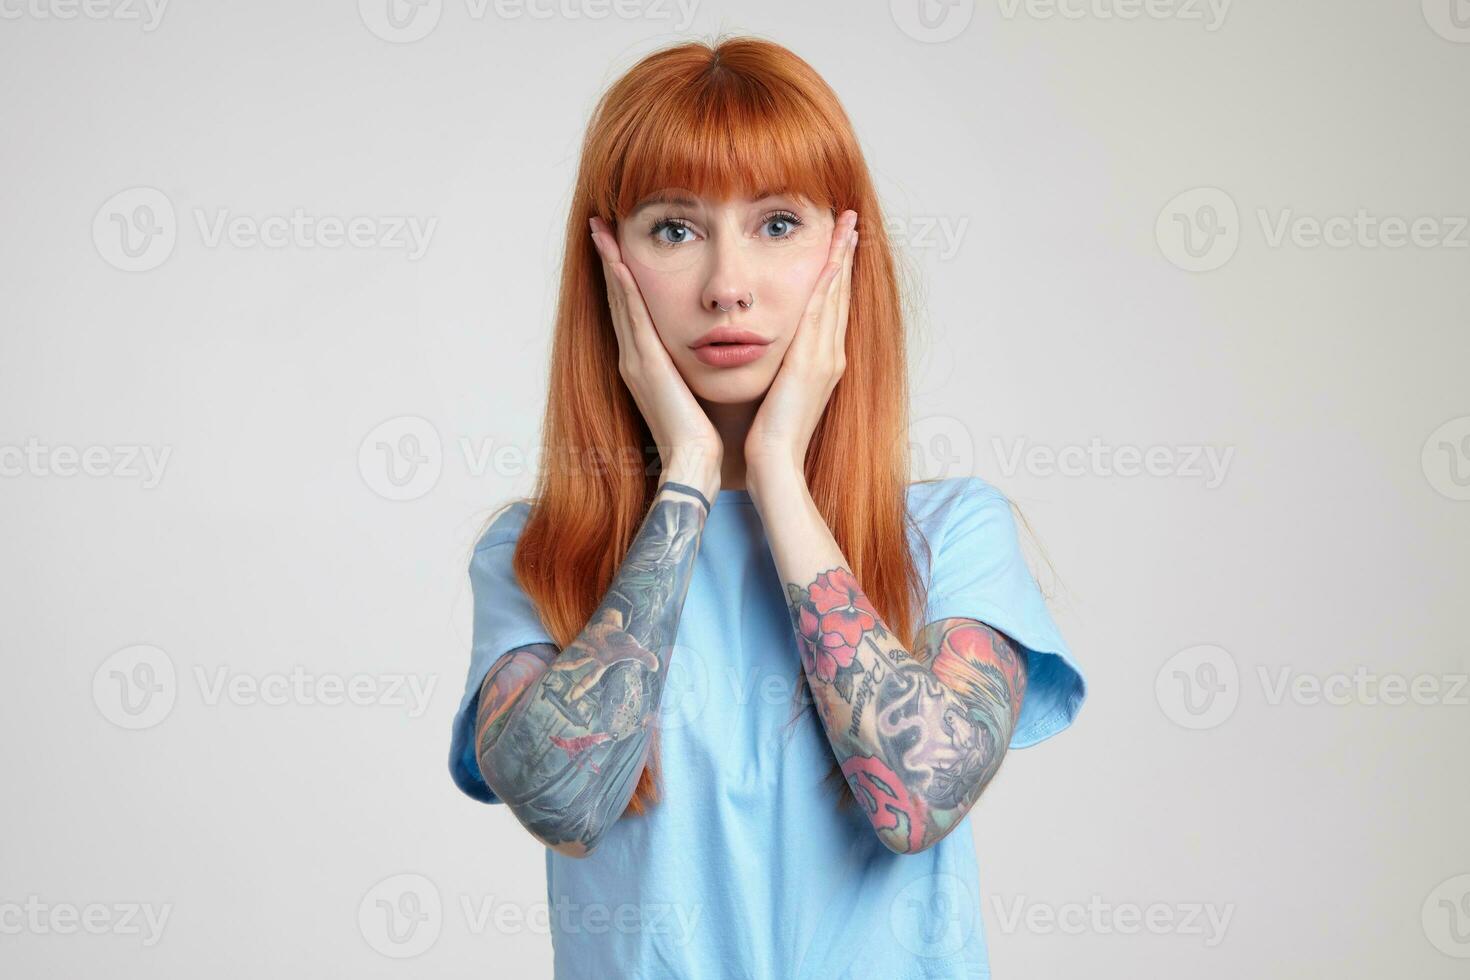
x=720, y=119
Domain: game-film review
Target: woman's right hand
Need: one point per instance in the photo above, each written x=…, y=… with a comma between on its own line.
x=689, y=446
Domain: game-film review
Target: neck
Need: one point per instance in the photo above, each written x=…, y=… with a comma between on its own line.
x=733, y=423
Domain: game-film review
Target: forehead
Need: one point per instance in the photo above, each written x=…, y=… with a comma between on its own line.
x=681, y=197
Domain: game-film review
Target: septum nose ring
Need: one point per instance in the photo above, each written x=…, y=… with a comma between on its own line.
x=746, y=304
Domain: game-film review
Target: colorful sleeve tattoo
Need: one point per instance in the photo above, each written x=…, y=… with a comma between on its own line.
x=918, y=733
x=562, y=736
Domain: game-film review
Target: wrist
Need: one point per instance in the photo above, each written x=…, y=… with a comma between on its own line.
x=774, y=483
x=703, y=475
x=670, y=489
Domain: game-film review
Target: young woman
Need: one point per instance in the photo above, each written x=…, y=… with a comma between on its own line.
x=726, y=589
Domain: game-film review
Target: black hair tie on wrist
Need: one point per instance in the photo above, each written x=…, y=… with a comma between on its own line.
x=687, y=489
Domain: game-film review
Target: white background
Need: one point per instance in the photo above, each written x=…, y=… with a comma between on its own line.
x=1051, y=148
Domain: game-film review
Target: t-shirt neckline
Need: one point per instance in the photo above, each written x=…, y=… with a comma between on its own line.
x=732, y=497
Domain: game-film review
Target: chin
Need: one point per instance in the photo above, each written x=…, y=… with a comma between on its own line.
x=728, y=386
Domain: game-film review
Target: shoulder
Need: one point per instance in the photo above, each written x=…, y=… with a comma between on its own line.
x=937, y=505
x=966, y=527
x=504, y=525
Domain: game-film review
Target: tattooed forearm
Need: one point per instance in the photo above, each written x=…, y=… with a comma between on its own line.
x=919, y=734
x=502, y=686
x=562, y=737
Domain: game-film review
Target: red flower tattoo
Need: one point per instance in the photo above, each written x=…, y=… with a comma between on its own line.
x=832, y=621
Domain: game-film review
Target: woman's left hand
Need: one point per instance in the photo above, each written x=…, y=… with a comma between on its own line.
x=810, y=369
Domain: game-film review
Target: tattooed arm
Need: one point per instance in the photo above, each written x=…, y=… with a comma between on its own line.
x=919, y=733
x=561, y=736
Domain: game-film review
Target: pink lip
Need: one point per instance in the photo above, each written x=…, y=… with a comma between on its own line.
x=727, y=346
x=729, y=355
x=729, y=335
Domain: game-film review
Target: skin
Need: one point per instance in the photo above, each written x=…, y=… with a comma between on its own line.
x=689, y=256
x=919, y=734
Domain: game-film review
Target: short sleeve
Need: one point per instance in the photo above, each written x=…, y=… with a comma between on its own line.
x=504, y=618
x=978, y=572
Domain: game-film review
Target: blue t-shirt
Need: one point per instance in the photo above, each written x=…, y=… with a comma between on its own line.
x=746, y=868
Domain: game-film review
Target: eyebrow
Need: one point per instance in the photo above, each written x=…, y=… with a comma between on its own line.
x=683, y=200
x=666, y=197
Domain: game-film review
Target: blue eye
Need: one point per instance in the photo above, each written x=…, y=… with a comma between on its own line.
x=682, y=232
x=669, y=224
x=784, y=218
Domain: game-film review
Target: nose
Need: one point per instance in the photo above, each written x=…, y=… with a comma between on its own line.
x=728, y=287
x=726, y=300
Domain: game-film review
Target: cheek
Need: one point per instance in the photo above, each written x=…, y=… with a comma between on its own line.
x=665, y=294
x=792, y=281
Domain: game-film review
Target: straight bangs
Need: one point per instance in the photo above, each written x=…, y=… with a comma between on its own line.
x=724, y=137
